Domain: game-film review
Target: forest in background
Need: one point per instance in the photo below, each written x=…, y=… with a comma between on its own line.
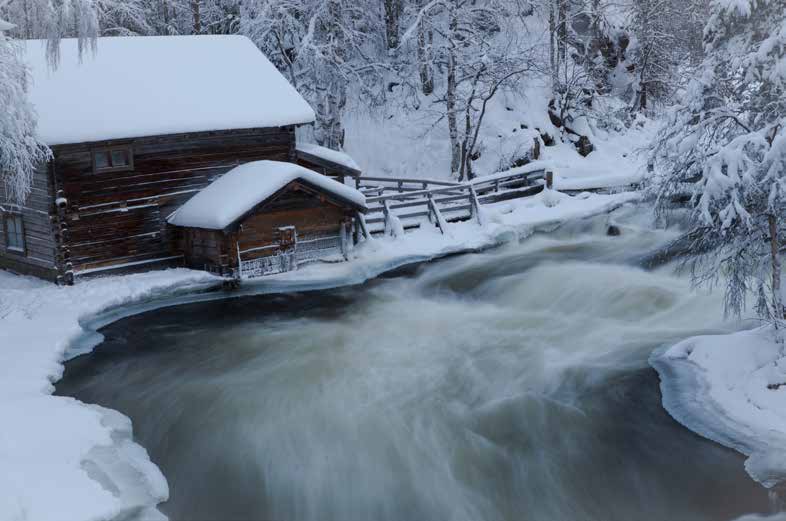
x=447, y=58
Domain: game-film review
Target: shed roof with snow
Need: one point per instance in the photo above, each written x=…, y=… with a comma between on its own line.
x=232, y=196
x=335, y=156
x=156, y=85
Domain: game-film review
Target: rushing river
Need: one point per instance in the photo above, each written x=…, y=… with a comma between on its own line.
x=507, y=385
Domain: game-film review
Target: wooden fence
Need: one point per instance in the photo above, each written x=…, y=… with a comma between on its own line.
x=442, y=202
x=377, y=186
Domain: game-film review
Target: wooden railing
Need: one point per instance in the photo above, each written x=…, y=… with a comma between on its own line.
x=443, y=202
x=377, y=186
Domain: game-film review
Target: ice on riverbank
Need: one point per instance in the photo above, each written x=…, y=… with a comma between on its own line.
x=64, y=460
x=731, y=389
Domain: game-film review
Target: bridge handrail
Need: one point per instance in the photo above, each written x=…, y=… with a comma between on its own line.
x=406, y=180
x=448, y=197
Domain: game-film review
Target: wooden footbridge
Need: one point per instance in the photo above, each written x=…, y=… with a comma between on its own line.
x=415, y=201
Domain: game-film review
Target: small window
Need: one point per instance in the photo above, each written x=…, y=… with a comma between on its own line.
x=14, y=233
x=108, y=159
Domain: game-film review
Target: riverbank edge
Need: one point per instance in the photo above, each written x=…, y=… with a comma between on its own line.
x=721, y=407
x=91, y=448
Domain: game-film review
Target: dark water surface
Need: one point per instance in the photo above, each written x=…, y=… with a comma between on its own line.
x=509, y=385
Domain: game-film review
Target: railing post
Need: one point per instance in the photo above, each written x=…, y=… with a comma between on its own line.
x=475, y=204
x=549, y=179
x=401, y=186
x=388, y=218
x=239, y=261
x=496, y=185
x=360, y=219
x=432, y=207
x=357, y=183
x=345, y=242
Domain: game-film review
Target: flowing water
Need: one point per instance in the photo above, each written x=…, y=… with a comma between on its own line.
x=508, y=385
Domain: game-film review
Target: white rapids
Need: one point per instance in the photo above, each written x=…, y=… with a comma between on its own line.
x=506, y=385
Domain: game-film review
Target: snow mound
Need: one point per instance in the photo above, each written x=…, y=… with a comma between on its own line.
x=728, y=388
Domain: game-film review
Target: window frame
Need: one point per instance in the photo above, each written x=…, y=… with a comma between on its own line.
x=129, y=151
x=21, y=233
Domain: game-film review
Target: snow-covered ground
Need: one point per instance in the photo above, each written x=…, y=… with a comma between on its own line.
x=60, y=459
x=63, y=460
x=511, y=125
x=731, y=389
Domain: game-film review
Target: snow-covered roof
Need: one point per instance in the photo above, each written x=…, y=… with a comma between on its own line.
x=237, y=192
x=334, y=156
x=146, y=86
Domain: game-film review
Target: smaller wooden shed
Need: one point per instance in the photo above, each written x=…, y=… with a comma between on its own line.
x=266, y=217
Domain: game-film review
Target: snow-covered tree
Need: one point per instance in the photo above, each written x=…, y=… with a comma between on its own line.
x=325, y=47
x=475, y=50
x=20, y=150
x=49, y=20
x=127, y=18
x=665, y=46
x=725, y=145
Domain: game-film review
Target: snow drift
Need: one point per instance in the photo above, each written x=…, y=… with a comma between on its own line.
x=729, y=388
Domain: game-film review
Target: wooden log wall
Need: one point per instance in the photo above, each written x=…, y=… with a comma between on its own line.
x=116, y=218
x=309, y=216
x=206, y=249
x=37, y=211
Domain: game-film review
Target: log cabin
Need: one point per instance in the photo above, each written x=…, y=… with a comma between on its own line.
x=136, y=129
x=267, y=217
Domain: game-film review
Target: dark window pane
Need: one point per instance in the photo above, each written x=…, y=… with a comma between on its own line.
x=120, y=158
x=102, y=160
x=14, y=231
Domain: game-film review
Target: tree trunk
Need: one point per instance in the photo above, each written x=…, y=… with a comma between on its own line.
x=562, y=31
x=777, y=301
x=643, y=96
x=28, y=31
x=197, y=16
x=465, y=171
x=455, y=145
x=329, y=131
x=553, y=45
x=425, y=39
x=392, y=16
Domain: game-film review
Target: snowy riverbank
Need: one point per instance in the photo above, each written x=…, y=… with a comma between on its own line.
x=731, y=389
x=65, y=460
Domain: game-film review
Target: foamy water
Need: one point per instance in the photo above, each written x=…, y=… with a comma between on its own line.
x=509, y=385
